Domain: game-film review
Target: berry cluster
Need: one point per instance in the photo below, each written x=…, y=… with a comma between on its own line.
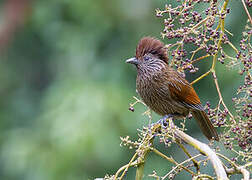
x=245, y=54
x=243, y=104
x=217, y=116
x=192, y=31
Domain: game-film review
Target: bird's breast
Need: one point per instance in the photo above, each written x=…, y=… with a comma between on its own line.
x=149, y=90
x=156, y=95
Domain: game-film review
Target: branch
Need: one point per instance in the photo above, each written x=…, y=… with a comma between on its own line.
x=174, y=162
x=240, y=170
x=204, y=149
x=126, y=167
x=196, y=164
x=236, y=169
x=220, y=96
x=246, y=10
x=201, y=77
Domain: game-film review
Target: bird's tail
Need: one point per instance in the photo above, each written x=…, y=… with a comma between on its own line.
x=205, y=125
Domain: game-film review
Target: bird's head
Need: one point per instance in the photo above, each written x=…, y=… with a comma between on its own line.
x=151, y=55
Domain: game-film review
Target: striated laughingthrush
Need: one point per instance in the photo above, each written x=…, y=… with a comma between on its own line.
x=163, y=89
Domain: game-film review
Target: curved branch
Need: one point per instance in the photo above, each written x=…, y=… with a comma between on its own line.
x=174, y=162
x=236, y=169
x=204, y=149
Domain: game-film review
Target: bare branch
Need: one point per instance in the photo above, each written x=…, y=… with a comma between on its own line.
x=204, y=149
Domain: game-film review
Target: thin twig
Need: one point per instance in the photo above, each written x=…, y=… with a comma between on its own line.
x=227, y=159
x=194, y=52
x=246, y=10
x=200, y=58
x=240, y=170
x=126, y=167
x=230, y=44
x=201, y=77
x=174, y=162
x=202, y=21
x=237, y=169
x=220, y=95
x=129, y=164
x=181, y=165
x=196, y=164
x=221, y=24
x=143, y=151
x=248, y=164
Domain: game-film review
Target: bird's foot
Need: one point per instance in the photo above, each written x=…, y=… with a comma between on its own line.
x=163, y=121
x=160, y=124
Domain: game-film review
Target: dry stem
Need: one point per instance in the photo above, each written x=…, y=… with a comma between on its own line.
x=246, y=10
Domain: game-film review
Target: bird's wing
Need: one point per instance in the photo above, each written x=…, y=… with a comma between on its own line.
x=182, y=90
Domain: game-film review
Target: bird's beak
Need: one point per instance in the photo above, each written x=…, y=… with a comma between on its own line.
x=132, y=61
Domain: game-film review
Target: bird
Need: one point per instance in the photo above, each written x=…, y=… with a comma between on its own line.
x=163, y=89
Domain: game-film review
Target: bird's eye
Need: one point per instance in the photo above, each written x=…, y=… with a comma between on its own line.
x=146, y=58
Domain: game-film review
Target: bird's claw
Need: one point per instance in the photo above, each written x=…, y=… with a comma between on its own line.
x=163, y=121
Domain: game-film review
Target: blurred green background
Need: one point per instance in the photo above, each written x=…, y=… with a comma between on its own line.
x=65, y=89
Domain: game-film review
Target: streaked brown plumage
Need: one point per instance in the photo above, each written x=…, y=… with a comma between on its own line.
x=163, y=89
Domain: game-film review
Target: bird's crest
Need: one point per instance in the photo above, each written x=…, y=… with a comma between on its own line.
x=153, y=46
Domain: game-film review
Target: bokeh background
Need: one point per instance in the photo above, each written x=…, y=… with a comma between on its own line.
x=65, y=89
